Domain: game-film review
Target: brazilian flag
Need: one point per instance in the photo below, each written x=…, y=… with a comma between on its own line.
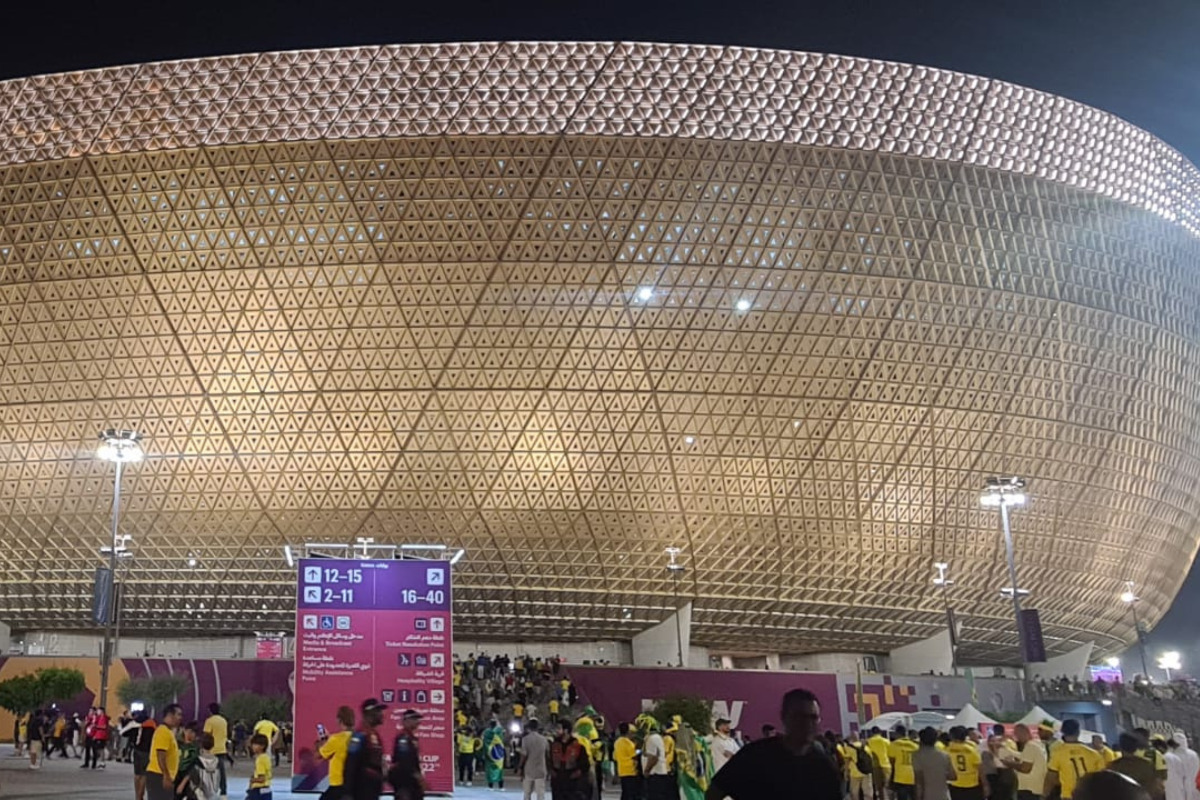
x=693, y=760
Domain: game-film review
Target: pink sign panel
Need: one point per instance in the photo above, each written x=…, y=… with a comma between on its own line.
x=268, y=647
x=747, y=699
x=381, y=629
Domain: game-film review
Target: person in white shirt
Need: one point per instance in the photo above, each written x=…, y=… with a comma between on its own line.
x=1191, y=765
x=1177, y=784
x=723, y=745
x=1031, y=771
x=659, y=785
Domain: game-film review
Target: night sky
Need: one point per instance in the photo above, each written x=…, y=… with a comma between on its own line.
x=1139, y=60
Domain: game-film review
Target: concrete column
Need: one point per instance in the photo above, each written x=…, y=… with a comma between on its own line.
x=659, y=645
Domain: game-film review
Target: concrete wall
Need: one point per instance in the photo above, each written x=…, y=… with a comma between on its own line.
x=845, y=663
x=50, y=643
x=927, y=656
x=613, y=652
x=659, y=646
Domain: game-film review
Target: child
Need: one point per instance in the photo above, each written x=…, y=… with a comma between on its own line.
x=189, y=756
x=208, y=770
x=260, y=784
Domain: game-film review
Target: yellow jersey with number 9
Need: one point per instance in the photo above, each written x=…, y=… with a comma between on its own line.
x=965, y=759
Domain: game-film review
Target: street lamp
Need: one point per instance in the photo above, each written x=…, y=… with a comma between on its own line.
x=1168, y=661
x=943, y=581
x=676, y=569
x=1004, y=493
x=1131, y=599
x=121, y=448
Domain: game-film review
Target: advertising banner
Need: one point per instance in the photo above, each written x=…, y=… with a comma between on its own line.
x=1033, y=644
x=373, y=628
x=268, y=645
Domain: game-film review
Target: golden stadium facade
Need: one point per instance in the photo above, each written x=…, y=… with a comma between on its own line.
x=567, y=304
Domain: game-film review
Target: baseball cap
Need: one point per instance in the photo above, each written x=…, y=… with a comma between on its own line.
x=371, y=704
x=412, y=714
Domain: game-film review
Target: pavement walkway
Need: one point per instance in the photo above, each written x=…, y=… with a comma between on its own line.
x=62, y=778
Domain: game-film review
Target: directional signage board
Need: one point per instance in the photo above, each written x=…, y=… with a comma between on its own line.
x=373, y=628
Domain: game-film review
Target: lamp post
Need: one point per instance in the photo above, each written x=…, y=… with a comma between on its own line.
x=676, y=569
x=1004, y=493
x=121, y=448
x=1131, y=599
x=943, y=581
x=1168, y=661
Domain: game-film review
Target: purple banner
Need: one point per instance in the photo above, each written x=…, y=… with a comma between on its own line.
x=748, y=699
x=1031, y=636
x=374, y=629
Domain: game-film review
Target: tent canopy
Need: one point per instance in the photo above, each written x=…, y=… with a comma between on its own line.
x=972, y=717
x=1036, y=716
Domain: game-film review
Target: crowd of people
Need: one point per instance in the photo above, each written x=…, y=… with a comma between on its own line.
x=574, y=754
x=959, y=764
x=170, y=758
x=1062, y=687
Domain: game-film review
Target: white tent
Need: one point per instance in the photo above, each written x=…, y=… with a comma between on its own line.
x=972, y=717
x=1036, y=716
x=916, y=721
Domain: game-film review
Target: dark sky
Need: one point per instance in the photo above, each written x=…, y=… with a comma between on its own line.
x=1139, y=59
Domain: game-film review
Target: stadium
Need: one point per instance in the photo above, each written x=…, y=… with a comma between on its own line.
x=563, y=306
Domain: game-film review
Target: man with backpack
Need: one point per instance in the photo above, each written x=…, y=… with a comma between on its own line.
x=862, y=769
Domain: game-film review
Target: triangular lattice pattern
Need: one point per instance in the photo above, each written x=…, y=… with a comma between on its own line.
x=566, y=323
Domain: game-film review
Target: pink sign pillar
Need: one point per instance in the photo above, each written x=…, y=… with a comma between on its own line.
x=374, y=629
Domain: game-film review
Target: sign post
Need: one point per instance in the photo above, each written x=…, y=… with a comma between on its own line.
x=374, y=628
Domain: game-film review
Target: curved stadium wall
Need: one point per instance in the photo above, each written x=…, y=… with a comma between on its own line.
x=567, y=304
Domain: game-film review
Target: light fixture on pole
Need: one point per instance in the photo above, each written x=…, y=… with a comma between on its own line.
x=1168, y=661
x=1004, y=493
x=943, y=580
x=676, y=570
x=1129, y=598
x=1113, y=662
x=121, y=448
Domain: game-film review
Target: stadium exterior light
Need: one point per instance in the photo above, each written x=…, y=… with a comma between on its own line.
x=1131, y=599
x=1170, y=660
x=676, y=570
x=943, y=580
x=119, y=447
x=1005, y=493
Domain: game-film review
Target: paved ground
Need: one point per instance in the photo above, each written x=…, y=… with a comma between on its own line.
x=63, y=778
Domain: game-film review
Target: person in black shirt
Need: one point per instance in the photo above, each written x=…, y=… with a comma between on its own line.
x=405, y=775
x=363, y=778
x=794, y=765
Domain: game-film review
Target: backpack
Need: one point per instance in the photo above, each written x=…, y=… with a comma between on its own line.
x=863, y=761
x=208, y=783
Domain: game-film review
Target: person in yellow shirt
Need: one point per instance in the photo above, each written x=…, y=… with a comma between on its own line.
x=967, y=762
x=334, y=749
x=260, y=783
x=518, y=710
x=164, y=756
x=465, y=744
x=218, y=727
x=1099, y=745
x=1069, y=761
x=625, y=756
x=553, y=706
x=900, y=754
x=878, y=744
x=268, y=729
x=860, y=765
x=1152, y=754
